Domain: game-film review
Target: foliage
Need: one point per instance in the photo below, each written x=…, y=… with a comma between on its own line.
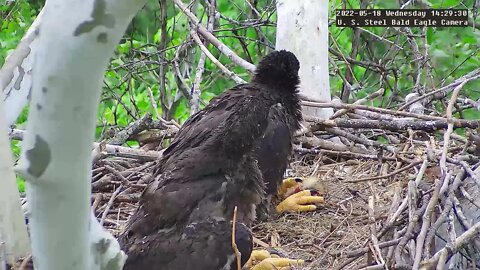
x=15, y=18
x=248, y=28
x=451, y=52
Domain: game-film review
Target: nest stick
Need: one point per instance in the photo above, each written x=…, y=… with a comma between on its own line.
x=413, y=164
x=371, y=96
x=153, y=103
x=461, y=241
x=446, y=137
x=110, y=203
x=373, y=231
x=234, y=245
x=23, y=265
x=427, y=216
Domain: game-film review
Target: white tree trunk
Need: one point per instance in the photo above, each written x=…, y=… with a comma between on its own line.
x=302, y=28
x=13, y=231
x=75, y=42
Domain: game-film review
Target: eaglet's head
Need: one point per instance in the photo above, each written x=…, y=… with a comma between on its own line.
x=278, y=69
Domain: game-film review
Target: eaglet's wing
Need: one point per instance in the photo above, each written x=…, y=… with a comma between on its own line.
x=169, y=205
x=205, y=245
x=274, y=149
x=200, y=126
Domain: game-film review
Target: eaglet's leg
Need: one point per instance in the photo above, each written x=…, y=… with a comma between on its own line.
x=263, y=260
x=300, y=195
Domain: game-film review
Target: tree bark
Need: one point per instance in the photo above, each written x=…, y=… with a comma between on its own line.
x=302, y=28
x=13, y=231
x=16, y=73
x=75, y=42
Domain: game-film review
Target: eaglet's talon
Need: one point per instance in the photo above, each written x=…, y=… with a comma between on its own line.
x=277, y=264
x=267, y=261
x=302, y=201
x=256, y=256
x=290, y=186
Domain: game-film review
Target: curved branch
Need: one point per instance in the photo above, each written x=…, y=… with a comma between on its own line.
x=212, y=39
x=225, y=70
x=197, y=92
x=16, y=73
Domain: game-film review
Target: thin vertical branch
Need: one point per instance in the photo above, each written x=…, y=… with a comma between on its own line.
x=234, y=244
x=161, y=55
x=373, y=231
x=350, y=78
x=195, y=102
x=426, y=222
x=446, y=137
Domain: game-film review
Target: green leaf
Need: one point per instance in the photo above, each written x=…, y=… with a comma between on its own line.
x=20, y=184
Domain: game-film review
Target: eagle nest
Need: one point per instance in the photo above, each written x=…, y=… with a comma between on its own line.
x=384, y=205
x=411, y=202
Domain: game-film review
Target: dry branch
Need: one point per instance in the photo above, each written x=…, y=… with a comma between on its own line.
x=215, y=60
x=442, y=92
x=449, y=250
x=394, y=125
x=411, y=165
x=196, y=93
x=133, y=128
x=358, y=102
x=224, y=49
x=356, y=139
x=375, y=109
x=111, y=150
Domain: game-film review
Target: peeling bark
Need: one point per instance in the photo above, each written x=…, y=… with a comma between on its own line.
x=16, y=73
